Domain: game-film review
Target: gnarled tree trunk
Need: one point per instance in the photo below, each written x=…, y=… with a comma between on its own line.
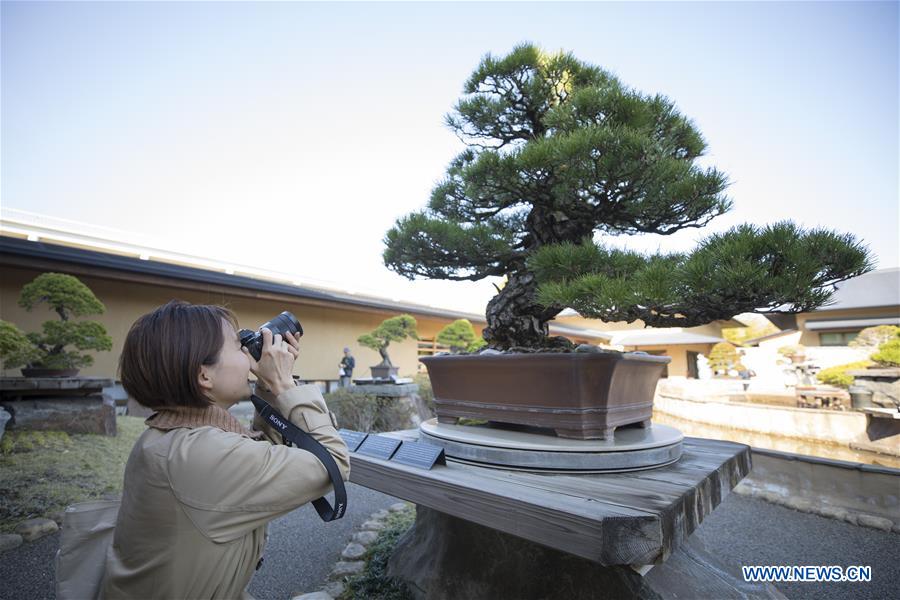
x=385, y=359
x=515, y=319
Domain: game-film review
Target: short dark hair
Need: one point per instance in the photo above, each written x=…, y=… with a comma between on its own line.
x=164, y=350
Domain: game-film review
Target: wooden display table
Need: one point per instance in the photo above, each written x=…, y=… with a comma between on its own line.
x=587, y=529
x=70, y=404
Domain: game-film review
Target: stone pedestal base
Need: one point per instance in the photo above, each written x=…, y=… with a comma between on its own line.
x=78, y=414
x=445, y=558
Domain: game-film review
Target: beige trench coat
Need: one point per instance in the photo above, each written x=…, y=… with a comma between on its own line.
x=197, y=500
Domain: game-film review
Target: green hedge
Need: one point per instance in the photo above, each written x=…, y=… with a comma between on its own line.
x=364, y=412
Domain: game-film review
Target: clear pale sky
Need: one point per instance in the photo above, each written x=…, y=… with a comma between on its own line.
x=290, y=136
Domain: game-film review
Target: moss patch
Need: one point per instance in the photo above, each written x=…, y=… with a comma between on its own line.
x=42, y=472
x=373, y=582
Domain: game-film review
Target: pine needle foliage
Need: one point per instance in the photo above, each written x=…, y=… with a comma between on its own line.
x=747, y=269
x=557, y=151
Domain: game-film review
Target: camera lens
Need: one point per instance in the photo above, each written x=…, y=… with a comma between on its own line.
x=284, y=323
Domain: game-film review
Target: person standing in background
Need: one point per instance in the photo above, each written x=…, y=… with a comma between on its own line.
x=346, y=368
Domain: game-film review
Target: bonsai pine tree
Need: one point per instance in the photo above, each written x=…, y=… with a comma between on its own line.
x=888, y=354
x=460, y=336
x=558, y=150
x=792, y=350
x=68, y=297
x=393, y=329
x=872, y=337
x=839, y=375
x=723, y=357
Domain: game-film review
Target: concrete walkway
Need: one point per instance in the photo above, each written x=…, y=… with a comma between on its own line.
x=747, y=531
x=742, y=531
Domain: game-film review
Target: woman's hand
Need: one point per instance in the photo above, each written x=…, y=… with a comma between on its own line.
x=276, y=362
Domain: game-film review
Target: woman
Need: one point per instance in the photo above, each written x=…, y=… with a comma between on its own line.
x=199, y=487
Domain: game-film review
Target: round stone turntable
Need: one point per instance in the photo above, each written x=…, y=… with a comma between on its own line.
x=533, y=449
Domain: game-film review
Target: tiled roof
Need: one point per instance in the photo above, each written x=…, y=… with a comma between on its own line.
x=13, y=247
x=874, y=289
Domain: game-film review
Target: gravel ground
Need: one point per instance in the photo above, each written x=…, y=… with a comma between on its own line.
x=27, y=571
x=742, y=531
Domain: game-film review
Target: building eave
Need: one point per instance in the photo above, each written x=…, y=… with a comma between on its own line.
x=25, y=253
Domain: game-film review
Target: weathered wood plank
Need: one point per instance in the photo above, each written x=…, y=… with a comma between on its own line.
x=564, y=522
x=613, y=519
x=717, y=480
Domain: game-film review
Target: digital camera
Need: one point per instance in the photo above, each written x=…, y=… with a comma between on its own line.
x=282, y=324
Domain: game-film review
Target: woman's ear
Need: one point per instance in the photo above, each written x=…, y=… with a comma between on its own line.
x=205, y=378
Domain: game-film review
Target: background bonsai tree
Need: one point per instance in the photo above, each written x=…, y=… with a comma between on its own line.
x=559, y=150
x=460, y=336
x=872, y=337
x=793, y=352
x=16, y=349
x=68, y=297
x=723, y=358
x=888, y=354
x=759, y=327
x=839, y=376
x=393, y=329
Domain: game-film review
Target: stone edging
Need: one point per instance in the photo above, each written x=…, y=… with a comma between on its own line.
x=351, y=561
x=29, y=531
x=804, y=505
x=32, y=530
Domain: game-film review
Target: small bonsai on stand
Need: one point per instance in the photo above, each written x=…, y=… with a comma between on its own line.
x=393, y=329
x=877, y=382
x=724, y=358
x=45, y=354
x=796, y=353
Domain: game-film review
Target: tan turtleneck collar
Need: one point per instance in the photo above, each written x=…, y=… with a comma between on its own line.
x=191, y=417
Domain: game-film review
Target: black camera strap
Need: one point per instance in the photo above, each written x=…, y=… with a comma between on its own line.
x=299, y=438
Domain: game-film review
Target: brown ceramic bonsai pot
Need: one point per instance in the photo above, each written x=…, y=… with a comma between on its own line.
x=579, y=395
x=383, y=372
